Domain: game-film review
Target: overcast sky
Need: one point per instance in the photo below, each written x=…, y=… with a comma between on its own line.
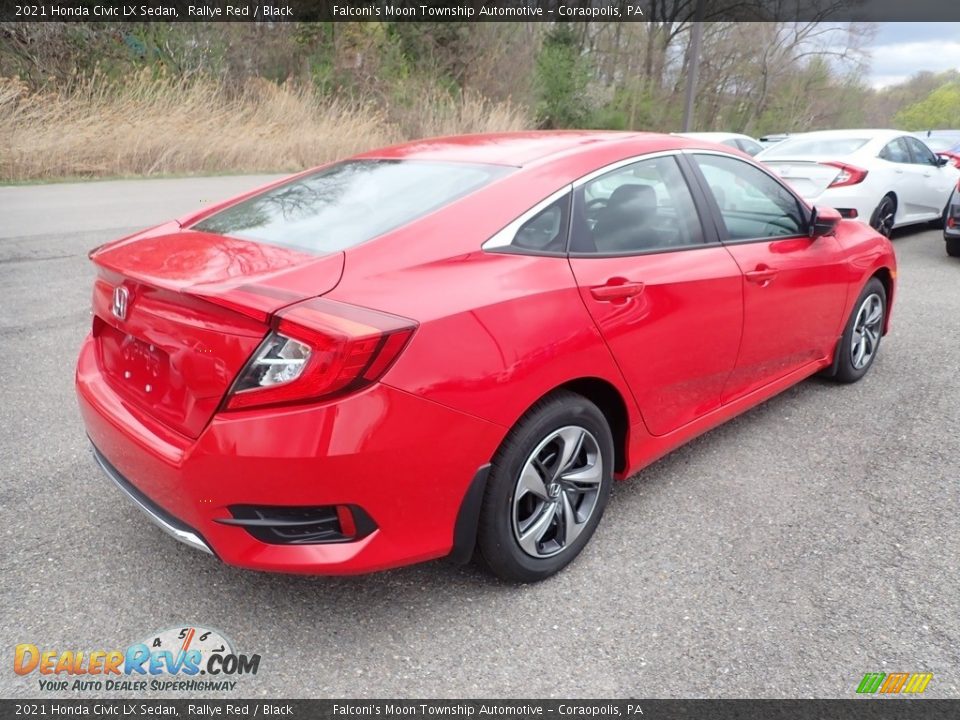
x=902, y=49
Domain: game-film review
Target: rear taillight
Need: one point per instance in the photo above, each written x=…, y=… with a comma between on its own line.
x=319, y=349
x=848, y=175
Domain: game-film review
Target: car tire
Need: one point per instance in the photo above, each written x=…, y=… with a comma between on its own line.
x=884, y=216
x=941, y=222
x=861, y=338
x=953, y=246
x=548, y=487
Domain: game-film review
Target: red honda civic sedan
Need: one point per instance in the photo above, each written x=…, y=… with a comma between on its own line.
x=456, y=345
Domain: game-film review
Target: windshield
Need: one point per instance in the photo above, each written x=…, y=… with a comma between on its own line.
x=800, y=147
x=348, y=203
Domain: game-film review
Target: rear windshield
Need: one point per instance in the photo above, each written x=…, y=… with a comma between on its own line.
x=799, y=147
x=348, y=203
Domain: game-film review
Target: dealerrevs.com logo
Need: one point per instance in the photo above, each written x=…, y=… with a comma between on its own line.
x=188, y=659
x=894, y=683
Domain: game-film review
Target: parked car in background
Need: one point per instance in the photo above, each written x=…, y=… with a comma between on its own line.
x=768, y=140
x=885, y=178
x=741, y=142
x=945, y=143
x=459, y=344
x=951, y=225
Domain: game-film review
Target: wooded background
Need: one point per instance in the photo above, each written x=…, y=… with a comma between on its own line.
x=93, y=99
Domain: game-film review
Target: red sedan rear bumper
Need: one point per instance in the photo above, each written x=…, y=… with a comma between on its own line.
x=406, y=461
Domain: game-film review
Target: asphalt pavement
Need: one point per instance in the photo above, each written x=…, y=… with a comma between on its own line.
x=785, y=554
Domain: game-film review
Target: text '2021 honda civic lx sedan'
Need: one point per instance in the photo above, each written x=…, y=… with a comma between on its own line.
x=885, y=178
x=456, y=345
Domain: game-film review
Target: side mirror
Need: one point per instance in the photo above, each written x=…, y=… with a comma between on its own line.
x=824, y=221
x=942, y=160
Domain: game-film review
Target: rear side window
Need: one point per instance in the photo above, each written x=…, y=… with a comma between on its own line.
x=545, y=232
x=895, y=151
x=348, y=203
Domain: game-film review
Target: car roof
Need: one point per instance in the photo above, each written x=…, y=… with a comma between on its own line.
x=515, y=149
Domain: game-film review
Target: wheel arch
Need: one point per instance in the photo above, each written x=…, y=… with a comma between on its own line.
x=892, y=194
x=885, y=276
x=601, y=393
x=611, y=403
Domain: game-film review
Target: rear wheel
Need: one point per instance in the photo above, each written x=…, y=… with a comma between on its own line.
x=548, y=487
x=861, y=338
x=884, y=216
x=953, y=246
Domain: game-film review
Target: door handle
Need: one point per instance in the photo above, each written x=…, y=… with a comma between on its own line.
x=616, y=289
x=763, y=275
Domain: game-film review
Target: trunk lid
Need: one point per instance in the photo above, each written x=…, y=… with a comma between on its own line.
x=808, y=177
x=178, y=313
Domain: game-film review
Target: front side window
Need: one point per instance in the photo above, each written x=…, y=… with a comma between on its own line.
x=753, y=205
x=920, y=153
x=643, y=207
x=348, y=203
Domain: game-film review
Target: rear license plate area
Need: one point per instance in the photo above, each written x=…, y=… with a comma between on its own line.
x=134, y=365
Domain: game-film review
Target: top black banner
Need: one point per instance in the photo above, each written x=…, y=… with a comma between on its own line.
x=477, y=10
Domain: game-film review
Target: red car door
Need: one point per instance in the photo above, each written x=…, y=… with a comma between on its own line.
x=794, y=287
x=665, y=295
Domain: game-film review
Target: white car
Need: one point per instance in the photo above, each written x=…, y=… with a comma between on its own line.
x=741, y=142
x=885, y=178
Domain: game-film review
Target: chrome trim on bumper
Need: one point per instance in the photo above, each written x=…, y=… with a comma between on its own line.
x=185, y=536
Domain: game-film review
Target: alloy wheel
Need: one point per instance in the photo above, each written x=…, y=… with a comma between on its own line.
x=866, y=331
x=886, y=213
x=557, y=491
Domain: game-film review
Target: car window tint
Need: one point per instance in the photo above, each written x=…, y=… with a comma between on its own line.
x=546, y=231
x=753, y=205
x=920, y=153
x=643, y=207
x=348, y=203
x=895, y=151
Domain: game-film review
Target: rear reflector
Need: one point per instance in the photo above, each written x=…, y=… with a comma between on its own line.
x=848, y=212
x=319, y=349
x=848, y=175
x=296, y=525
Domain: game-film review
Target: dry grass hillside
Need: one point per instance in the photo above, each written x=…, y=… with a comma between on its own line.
x=150, y=126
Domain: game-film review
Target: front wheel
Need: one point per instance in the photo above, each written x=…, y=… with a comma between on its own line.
x=861, y=338
x=548, y=487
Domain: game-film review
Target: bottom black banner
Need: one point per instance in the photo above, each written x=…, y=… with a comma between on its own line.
x=859, y=709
